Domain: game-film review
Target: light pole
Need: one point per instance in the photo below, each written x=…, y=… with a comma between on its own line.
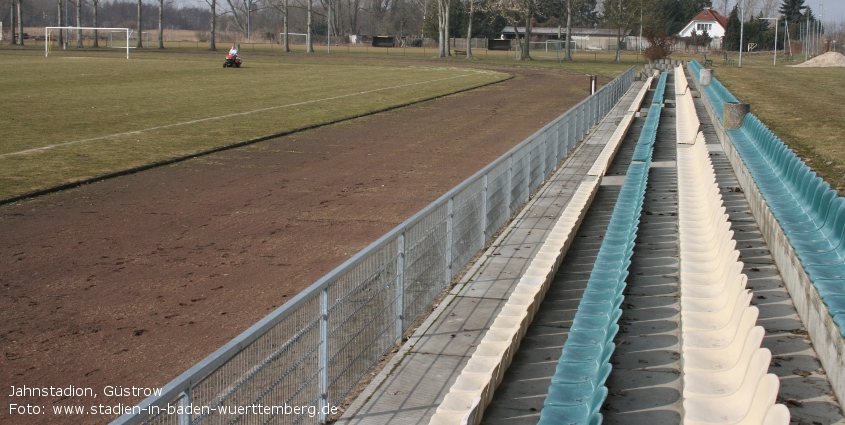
x=775, y=59
x=329, y=30
x=741, y=30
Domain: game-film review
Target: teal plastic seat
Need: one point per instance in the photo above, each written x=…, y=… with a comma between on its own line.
x=586, y=413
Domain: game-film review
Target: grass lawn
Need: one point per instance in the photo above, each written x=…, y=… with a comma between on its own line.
x=805, y=107
x=76, y=115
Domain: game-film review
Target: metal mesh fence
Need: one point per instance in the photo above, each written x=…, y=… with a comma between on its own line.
x=305, y=357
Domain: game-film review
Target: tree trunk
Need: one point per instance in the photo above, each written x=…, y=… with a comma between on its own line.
x=96, y=5
x=79, y=24
x=469, y=30
x=285, y=27
x=526, y=54
x=20, y=23
x=618, y=45
x=568, y=55
x=160, y=24
x=309, y=45
x=61, y=35
x=13, y=24
x=211, y=44
x=448, y=47
x=140, y=33
x=442, y=23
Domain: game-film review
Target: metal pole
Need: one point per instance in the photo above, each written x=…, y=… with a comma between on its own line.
x=329, y=31
x=185, y=404
x=400, y=286
x=484, y=194
x=450, y=219
x=323, y=377
x=741, y=31
x=807, y=40
x=774, y=61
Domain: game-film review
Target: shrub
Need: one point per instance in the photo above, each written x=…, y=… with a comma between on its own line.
x=660, y=45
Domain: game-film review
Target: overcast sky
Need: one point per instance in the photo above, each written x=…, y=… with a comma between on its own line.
x=834, y=10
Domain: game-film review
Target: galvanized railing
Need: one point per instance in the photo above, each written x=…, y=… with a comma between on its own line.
x=300, y=361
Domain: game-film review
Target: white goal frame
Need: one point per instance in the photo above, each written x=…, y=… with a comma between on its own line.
x=282, y=37
x=47, y=36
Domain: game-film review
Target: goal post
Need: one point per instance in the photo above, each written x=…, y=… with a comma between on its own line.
x=294, y=38
x=47, y=35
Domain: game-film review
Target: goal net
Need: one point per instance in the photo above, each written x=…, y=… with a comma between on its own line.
x=83, y=36
x=118, y=40
x=294, y=38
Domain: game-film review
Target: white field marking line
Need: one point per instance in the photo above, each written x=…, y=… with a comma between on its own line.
x=43, y=148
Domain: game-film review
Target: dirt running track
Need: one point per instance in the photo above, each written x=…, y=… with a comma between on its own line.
x=130, y=281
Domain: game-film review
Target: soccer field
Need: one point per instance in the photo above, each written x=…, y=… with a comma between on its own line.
x=75, y=116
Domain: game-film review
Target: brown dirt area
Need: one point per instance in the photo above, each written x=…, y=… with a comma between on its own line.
x=132, y=280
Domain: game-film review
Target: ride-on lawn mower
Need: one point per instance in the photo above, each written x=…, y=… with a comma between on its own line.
x=232, y=61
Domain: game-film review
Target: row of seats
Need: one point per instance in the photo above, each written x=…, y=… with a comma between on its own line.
x=473, y=390
x=717, y=94
x=578, y=389
x=688, y=123
x=724, y=368
x=811, y=214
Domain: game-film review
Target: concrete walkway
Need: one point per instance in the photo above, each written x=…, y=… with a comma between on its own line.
x=412, y=385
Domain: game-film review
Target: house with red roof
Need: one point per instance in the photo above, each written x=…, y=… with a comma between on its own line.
x=707, y=20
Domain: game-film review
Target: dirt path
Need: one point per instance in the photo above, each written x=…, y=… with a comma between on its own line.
x=130, y=281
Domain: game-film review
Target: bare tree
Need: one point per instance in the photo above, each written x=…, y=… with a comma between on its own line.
x=769, y=8
x=95, y=4
x=517, y=11
x=140, y=33
x=14, y=38
x=283, y=7
x=568, y=54
x=160, y=23
x=59, y=24
x=620, y=14
x=78, y=5
x=241, y=13
x=469, y=30
x=213, y=5
x=352, y=9
x=20, y=22
x=443, y=28
x=309, y=48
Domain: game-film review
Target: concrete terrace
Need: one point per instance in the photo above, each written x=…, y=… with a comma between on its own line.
x=645, y=384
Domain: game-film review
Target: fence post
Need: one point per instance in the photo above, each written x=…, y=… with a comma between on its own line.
x=450, y=218
x=324, y=355
x=400, y=286
x=484, y=208
x=184, y=404
x=509, y=196
x=528, y=168
x=558, y=149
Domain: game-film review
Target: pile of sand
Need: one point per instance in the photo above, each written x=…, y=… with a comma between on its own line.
x=828, y=59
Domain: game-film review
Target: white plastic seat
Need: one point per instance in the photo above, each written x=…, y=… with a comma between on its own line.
x=716, y=319
x=714, y=359
x=727, y=381
x=718, y=338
